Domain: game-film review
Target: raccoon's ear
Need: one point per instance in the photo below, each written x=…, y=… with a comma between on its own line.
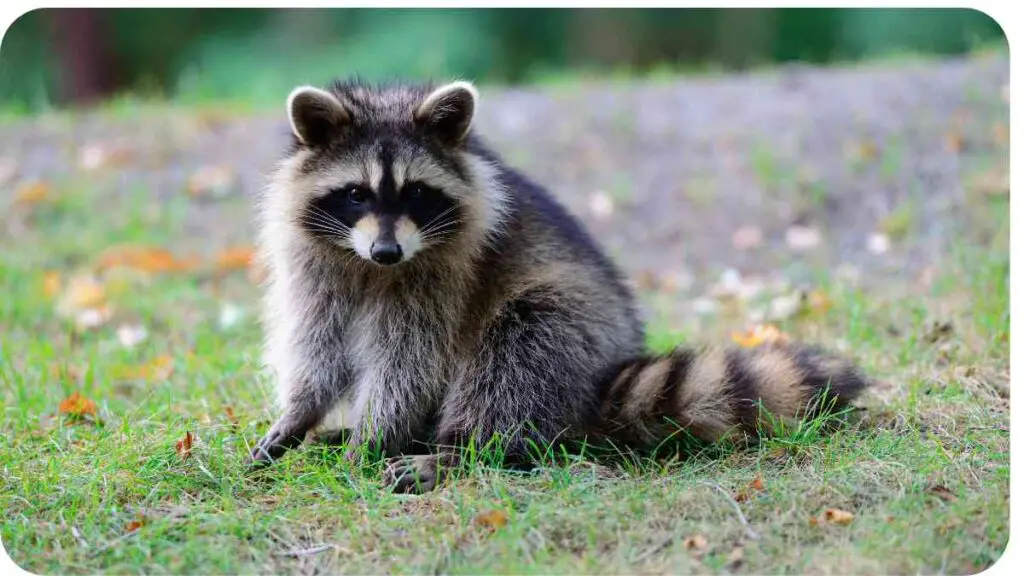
x=448, y=111
x=317, y=116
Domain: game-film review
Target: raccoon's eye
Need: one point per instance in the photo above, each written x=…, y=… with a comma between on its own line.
x=356, y=195
x=415, y=191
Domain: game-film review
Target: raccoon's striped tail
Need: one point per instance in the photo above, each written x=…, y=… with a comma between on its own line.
x=724, y=393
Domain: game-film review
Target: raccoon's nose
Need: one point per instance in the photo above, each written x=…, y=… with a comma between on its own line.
x=386, y=253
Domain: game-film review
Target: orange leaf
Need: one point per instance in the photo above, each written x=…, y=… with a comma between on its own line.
x=837, y=516
x=184, y=446
x=230, y=412
x=51, y=284
x=133, y=526
x=756, y=485
x=954, y=142
x=758, y=335
x=77, y=406
x=492, y=519
x=696, y=543
x=239, y=257
x=1000, y=133
x=160, y=368
x=151, y=260
x=32, y=193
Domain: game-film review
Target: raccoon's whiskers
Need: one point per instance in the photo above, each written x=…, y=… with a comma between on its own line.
x=326, y=216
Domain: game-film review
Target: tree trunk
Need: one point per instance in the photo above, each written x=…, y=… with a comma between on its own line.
x=86, y=63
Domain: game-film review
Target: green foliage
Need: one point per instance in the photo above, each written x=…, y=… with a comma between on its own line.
x=254, y=55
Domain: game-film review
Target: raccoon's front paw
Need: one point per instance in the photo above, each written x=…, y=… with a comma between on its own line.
x=416, y=474
x=273, y=445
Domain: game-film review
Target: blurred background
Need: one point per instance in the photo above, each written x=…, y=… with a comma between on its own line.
x=64, y=57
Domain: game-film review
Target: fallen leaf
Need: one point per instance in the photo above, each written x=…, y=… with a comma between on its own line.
x=704, y=306
x=144, y=258
x=758, y=335
x=77, y=406
x=954, y=142
x=878, y=243
x=747, y=238
x=601, y=205
x=131, y=336
x=786, y=306
x=862, y=150
x=695, y=543
x=51, y=284
x=217, y=180
x=95, y=156
x=84, y=301
x=160, y=368
x=942, y=492
x=993, y=182
x=837, y=516
x=239, y=257
x=755, y=485
x=93, y=317
x=802, y=237
x=85, y=292
x=735, y=558
x=32, y=192
x=64, y=372
x=938, y=330
x=818, y=302
x=184, y=446
x=133, y=526
x=230, y=315
x=492, y=519
x=230, y=412
x=1000, y=133
x=8, y=169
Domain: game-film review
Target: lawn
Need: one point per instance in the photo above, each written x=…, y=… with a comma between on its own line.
x=131, y=402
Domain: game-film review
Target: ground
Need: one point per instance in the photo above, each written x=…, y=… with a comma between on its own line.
x=132, y=398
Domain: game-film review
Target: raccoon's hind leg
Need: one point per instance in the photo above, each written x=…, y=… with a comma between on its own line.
x=530, y=384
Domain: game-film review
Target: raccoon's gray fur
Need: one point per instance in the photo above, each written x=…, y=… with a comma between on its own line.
x=420, y=290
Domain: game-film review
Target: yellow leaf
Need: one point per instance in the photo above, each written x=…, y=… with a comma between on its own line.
x=160, y=368
x=837, y=516
x=51, y=284
x=758, y=335
x=819, y=302
x=492, y=519
x=32, y=192
x=84, y=292
x=695, y=542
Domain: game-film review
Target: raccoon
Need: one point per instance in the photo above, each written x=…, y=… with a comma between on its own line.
x=422, y=294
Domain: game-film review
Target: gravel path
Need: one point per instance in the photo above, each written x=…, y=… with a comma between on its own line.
x=664, y=173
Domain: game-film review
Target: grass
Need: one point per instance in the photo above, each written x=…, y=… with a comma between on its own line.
x=924, y=469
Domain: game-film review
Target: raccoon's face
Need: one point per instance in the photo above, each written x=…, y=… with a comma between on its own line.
x=384, y=172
